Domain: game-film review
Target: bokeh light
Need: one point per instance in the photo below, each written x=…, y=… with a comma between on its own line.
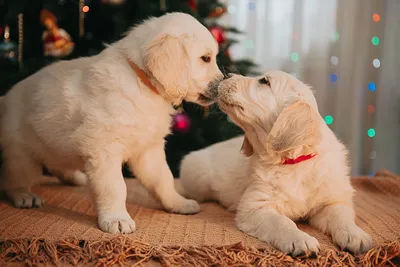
x=334, y=78
x=335, y=36
x=249, y=44
x=371, y=108
x=334, y=60
x=252, y=6
x=376, y=62
x=372, y=155
x=371, y=132
x=231, y=9
x=372, y=87
x=328, y=119
x=294, y=56
x=376, y=17
x=85, y=9
x=375, y=40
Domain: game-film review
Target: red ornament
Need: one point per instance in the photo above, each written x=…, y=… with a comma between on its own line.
x=181, y=123
x=193, y=4
x=218, y=12
x=218, y=34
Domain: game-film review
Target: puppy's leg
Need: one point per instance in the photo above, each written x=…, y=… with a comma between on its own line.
x=109, y=190
x=258, y=217
x=152, y=171
x=19, y=173
x=338, y=221
x=73, y=177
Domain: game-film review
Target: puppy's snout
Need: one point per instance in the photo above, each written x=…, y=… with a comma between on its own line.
x=226, y=88
x=212, y=91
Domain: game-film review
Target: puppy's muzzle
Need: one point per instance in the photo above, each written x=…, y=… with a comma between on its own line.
x=211, y=94
x=226, y=91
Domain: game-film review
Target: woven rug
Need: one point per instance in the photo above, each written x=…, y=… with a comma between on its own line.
x=64, y=232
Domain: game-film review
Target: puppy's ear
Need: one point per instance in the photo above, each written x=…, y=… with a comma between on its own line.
x=247, y=149
x=167, y=60
x=296, y=130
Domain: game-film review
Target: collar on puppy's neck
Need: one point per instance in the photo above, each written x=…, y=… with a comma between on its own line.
x=143, y=76
x=298, y=159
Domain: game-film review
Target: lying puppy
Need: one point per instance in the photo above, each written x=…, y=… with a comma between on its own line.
x=87, y=116
x=297, y=169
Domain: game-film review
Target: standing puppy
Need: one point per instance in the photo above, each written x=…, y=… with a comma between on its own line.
x=87, y=116
x=297, y=168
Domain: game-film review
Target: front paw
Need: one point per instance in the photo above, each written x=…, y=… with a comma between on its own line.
x=22, y=198
x=182, y=205
x=353, y=239
x=117, y=224
x=297, y=243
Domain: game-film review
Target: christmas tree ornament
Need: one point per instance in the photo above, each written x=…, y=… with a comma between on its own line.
x=218, y=12
x=81, y=18
x=113, y=2
x=57, y=42
x=20, y=38
x=8, y=49
x=181, y=123
x=193, y=4
x=218, y=34
x=163, y=5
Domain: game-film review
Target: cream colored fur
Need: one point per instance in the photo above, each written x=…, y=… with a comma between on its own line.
x=280, y=120
x=83, y=118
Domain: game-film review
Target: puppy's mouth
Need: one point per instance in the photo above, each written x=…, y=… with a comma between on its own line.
x=205, y=100
x=209, y=96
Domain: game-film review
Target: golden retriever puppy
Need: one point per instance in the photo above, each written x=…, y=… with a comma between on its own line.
x=295, y=168
x=86, y=116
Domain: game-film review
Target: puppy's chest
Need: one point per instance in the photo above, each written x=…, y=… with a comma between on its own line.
x=137, y=129
x=146, y=127
x=294, y=198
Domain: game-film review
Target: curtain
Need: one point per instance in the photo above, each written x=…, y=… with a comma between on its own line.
x=347, y=51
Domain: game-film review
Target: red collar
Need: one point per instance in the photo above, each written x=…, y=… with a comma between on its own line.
x=298, y=159
x=143, y=77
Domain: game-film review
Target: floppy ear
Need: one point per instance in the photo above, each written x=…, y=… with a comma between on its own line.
x=247, y=149
x=166, y=58
x=296, y=130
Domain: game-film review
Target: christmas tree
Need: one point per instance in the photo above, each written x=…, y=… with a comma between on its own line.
x=26, y=26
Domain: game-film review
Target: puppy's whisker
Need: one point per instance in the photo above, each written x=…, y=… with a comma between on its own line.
x=233, y=70
x=224, y=72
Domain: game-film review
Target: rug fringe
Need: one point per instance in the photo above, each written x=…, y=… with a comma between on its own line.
x=125, y=251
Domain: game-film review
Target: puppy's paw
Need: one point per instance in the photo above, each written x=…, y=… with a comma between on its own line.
x=353, y=239
x=117, y=224
x=22, y=198
x=298, y=243
x=183, y=206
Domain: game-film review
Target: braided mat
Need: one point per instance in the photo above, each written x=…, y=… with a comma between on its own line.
x=64, y=232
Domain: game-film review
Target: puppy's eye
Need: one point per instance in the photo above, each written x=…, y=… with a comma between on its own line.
x=206, y=59
x=264, y=80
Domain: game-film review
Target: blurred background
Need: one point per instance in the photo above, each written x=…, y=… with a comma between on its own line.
x=345, y=49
